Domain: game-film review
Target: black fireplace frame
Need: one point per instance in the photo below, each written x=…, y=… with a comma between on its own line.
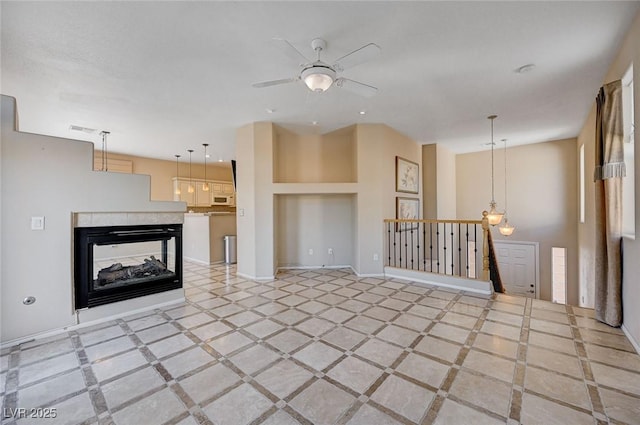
x=86, y=237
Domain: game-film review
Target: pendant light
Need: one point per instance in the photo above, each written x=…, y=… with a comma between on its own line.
x=177, y=192
x=190, y=189
x=505, y=229
x=205, y=186
x=494, y=215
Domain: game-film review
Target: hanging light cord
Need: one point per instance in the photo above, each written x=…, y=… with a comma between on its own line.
x=493, y=198
x=190, y=179
x=104, y=149
x=505, y=177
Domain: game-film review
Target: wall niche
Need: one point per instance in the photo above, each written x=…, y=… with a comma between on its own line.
x=315, y=158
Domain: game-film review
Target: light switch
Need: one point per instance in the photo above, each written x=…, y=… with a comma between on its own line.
x=37, y=223
x=241, y=212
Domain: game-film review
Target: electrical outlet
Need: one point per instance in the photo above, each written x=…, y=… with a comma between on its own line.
x=310, y=251
x=330, y=251
x=375, y=257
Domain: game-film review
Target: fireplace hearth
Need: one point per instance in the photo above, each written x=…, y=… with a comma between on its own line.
x=116, y=263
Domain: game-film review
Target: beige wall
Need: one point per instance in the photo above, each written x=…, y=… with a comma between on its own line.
x=446, y=175
x=430, y=181
x=314, y=158
x=50, y=177
x=162, y=172
x=378, y=146
x=439, y=181
x=317, y=222
x=254, y=201
x=542, y=200
x=628, y=54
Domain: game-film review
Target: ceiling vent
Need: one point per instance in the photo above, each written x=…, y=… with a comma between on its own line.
x=82, y=129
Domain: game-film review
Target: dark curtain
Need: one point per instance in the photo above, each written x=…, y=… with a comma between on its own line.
x=494, y=271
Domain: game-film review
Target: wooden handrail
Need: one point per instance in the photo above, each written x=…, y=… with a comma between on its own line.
x=391, y=220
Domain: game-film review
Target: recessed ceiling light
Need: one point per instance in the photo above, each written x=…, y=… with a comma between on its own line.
x=270, y=110
x=314, y=122
x=363, y=112
x=220, y=160
x=525, y=68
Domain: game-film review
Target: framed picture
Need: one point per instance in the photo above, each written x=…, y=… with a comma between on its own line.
x=407, y=209
x=407, y=174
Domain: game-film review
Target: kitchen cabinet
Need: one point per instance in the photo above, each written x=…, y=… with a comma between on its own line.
x=199, y=197
x=228, y=189
x=203, y=197
x=185, y=195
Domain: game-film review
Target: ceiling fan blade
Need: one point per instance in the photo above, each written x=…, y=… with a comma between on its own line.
x=356, y=87
x=275, y=82
x=361, y=55
x=293, y=53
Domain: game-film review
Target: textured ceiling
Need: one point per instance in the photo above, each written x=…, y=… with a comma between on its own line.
x=163, y=77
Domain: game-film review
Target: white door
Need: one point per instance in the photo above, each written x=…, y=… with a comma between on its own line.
x=518, y=267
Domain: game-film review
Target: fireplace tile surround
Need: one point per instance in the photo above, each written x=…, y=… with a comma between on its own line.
x=98, y=219
x=115, y=233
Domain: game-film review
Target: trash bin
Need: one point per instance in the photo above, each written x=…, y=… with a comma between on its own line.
x=230, y=249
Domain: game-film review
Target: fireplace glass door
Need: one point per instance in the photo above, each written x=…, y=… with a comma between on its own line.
x=116, y=263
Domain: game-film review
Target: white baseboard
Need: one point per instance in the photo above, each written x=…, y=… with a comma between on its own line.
x=452, y=282
x=54, y=332
x=201, y=262
x=378, y=275
x=261, y=278
x=343, y=266
x=632, y=340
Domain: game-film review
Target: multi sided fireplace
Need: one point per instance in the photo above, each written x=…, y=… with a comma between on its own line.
x=116, y=263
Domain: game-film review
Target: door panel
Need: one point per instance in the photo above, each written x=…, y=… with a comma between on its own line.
x=517, y=263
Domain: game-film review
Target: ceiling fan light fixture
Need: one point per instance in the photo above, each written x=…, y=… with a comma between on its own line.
x=318, y=78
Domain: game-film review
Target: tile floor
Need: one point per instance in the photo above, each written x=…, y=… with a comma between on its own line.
x=325, y=347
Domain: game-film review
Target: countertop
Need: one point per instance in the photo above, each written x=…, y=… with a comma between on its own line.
x=188, y=214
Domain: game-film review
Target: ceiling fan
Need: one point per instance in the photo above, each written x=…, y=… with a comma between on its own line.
x=319, y=75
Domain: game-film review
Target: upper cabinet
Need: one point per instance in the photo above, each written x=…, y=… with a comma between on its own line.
x=219, y=193
x=227, y=189
x=203, y=197
x=184, y=195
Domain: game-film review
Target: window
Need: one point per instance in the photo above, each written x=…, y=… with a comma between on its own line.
x=582, y=190
x=559, y=275
x=628, y=183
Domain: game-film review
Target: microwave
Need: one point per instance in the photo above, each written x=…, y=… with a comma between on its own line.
x=222, y=200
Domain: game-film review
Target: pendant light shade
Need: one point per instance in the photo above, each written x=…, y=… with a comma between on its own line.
x=494, y=215
x=177, y=192
x=506, y=229
x=205, y=185
x=190, y=189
